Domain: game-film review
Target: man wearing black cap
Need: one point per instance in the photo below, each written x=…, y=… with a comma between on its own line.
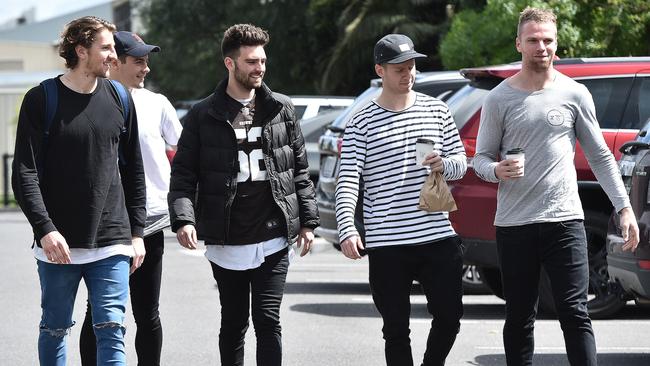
x=403, y=242
x=158, y=127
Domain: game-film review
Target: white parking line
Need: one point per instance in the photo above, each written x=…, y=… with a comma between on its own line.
x=192, y=253
x=562, y=349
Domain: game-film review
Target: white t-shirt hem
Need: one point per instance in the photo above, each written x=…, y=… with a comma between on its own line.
x=244, y=257
x=83, y=256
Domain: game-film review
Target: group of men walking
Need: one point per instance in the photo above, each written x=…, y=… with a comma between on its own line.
x=91, y=175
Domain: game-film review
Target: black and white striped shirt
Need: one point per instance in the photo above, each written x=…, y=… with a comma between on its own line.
x=379, y=146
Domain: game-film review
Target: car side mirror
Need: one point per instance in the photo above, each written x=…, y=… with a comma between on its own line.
x=630, y=146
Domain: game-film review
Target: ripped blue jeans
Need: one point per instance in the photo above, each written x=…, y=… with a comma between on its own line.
x=107, y=281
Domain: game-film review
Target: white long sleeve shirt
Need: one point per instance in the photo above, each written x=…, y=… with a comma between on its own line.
x=379, y=147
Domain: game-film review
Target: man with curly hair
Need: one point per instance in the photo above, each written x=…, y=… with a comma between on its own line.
x=86, y=210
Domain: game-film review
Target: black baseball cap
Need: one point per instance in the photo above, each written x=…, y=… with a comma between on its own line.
x=128, y=43
x=395, y=49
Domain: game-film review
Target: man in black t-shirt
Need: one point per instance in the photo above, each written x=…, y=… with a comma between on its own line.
x=87, y=213
x=241, y=167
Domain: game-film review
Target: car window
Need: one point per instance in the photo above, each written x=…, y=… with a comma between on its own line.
x=440, y=90
x=313, y=128
x=637, y=112
x=329, y=108
x=610, y=96
x=465, y=103
x=360, y=102
x=314, y=135
x=300, y=110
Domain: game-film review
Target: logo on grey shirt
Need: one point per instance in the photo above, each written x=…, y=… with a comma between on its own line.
x=555, y=118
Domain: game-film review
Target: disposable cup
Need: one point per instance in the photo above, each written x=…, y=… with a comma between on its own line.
x=423, y=147
x=517, y=154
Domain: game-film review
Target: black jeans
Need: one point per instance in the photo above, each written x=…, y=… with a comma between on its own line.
x=438, y=267
x=561, y=249
x=261, y=290
x=144, y=286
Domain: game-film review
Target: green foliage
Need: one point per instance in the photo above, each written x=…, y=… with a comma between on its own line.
x=614, y=27
x=317, y=46
x=190, y=32
x=363, y=22
x=585, y=28
x=326, y=46
x=291, y=46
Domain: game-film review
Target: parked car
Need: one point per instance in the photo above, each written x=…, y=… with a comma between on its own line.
x=183, y=106
x=616, y=85
x=312, y=129
x=631, y=270
x=309, y=106
x=440, y=84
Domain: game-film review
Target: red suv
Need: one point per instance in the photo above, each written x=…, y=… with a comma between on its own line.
x=614, y=84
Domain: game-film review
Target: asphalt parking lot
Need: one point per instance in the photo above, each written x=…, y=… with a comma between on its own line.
x=328, y=316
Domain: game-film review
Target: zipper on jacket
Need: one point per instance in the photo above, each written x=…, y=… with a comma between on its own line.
x=232, y=186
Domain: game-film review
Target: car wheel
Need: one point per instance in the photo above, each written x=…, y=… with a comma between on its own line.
x=472, y=283
x=491, y=277
x=605, y=295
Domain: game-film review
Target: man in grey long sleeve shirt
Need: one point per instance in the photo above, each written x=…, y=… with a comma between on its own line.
x=539, y=216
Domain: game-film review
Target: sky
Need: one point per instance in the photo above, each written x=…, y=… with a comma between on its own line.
x=45, y=9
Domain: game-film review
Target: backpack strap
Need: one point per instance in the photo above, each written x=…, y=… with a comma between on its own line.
x=124, y=101
x=51, y=102
x=51, y=92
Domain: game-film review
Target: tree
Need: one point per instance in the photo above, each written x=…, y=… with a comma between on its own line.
x=363, y=22
x=317, y=46
x=190, y=32
x=613, y=27
x=298, y=37
x=585, y=28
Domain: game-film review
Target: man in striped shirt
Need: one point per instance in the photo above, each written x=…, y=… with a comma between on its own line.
x=403, y=242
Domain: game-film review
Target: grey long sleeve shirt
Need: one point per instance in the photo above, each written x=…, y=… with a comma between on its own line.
x=546, y=124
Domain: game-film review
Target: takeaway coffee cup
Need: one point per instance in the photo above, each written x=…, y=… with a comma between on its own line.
x=517, y=154
x=423, y=147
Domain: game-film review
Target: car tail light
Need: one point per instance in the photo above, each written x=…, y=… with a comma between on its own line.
x=470, y=150
x=170, y=152
x=470, y=147
x=339, y=145
x=644, y=265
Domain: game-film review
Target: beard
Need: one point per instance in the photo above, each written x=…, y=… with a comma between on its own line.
x=540, y=66
x=246, y=81
x=98, y=69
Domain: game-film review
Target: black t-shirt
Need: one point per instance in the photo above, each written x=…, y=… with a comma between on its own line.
x=254, y=216
x=82, y=193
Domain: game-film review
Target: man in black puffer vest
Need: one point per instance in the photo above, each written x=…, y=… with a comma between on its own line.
x=240, y=182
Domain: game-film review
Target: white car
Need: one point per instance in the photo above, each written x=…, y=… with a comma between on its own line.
x=308, y=106
x=312, y=129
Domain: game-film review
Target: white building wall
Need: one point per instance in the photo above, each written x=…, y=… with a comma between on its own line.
x=29, y=57
x=10, y=100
